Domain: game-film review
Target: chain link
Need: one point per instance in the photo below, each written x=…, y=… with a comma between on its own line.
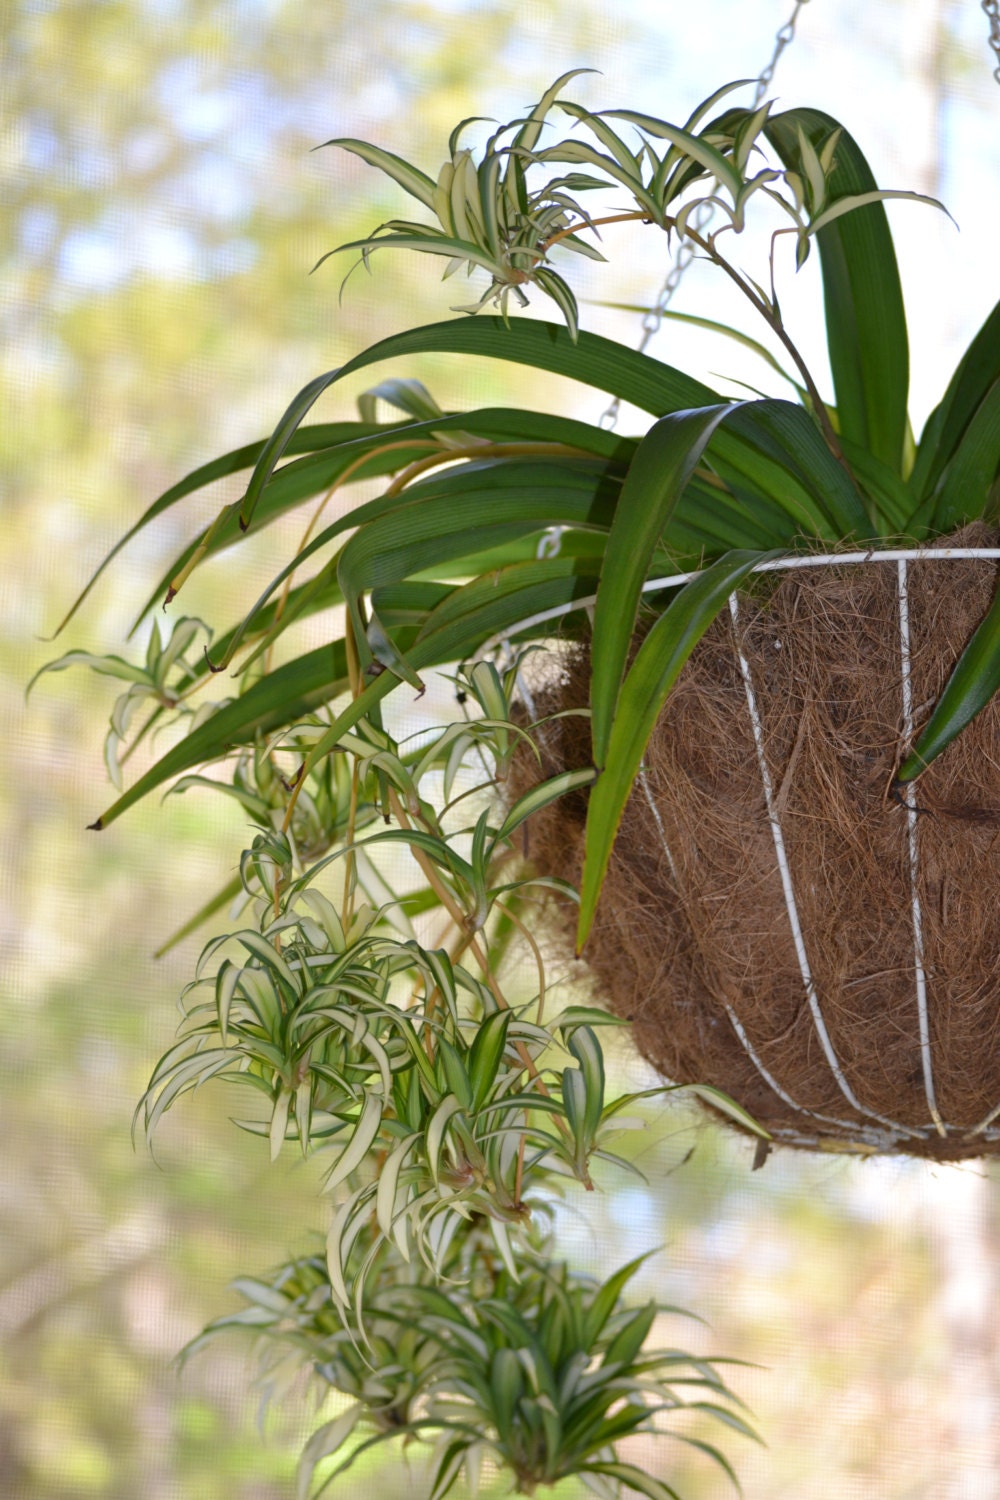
x=653, y=319
x=992, y=10
x=783, y=36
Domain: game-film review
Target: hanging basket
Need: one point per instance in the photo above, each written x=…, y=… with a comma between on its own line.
x=773, y=922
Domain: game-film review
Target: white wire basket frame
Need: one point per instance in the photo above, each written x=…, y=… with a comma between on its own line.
x=872, y=1132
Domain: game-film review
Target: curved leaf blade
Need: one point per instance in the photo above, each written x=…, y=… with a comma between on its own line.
x=653, y=673
x=865, y=319
x=975, y=679
x=662, y=466
x=978, y=369
x=964, y=491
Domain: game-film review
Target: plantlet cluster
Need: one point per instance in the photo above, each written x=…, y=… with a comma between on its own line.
x=541, y=1376
x=447, y=1116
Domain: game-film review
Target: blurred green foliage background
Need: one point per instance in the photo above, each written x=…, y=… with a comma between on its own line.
x=162, y=208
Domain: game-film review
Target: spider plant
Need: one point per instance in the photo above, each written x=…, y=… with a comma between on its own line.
x=446, y=559
x=447, y=1107
x=448, y=1111
x=544, y=1375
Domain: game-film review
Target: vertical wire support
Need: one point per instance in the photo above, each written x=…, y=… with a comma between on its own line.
x=919, y=970
x=789, y=893
x=873, y=1137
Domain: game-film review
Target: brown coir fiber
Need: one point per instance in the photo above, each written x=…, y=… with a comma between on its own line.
x=693, y=942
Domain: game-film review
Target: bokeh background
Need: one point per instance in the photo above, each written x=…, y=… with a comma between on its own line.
x=161, y=211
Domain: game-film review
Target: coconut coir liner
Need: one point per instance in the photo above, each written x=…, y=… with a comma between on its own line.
x=692, y=941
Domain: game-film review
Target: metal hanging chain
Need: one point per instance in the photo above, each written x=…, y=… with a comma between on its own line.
x=686, y=251
x=992, y=9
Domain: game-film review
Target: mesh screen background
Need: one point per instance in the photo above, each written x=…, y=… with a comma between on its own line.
x=161, y=211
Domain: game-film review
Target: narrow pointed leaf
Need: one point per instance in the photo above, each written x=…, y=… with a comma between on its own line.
x=975, y=679
x=976, y=372
x=540, y=796
x=486, y=1055
x=436, y=1130
x=636, y=1479
x=326, y=1440
x=726, y=1106
x=287, y=693
x=964, y=490
x=663, y=463
x=698, y=149
x=388, y=1185
x=279, y=1121
x=410, y=178
x=865, y=321
x=278, y=442
x=654, y=672
x=359, y=1145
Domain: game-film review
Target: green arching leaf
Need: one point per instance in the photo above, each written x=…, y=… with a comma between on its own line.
x=507, y=1389
x=438, y=519
x=507, y=595
x=107, y=666
x=359, y=1145
x=625, y=373
x=583, y=1044
x=963, y=491
x=574, y=1099
x=606, y=1299
x=786, y=433
x=226, y=981
x=728, y=1107
x=270, y=958
x=630, y=1337
x=278, y=442
x=417, y=237
x=892, y=499
x=527, y=136
x=267, y=621
x=663, y=463
x=710, y=520
x=701, y=110
x=410, y=178
x=291, y=486
x=409, y=396
x=561, y=294
x=304, y=440
x=286, y=694
x=279, y=1122
x=712, y=326
x=388, y=1185
x=626, y=159
x=325, y=1440
x=644, y=691
x=976, y=372
x=973, y=682
x=386, y=452
x=628, y=174
x=708, y=158
x=540, y=796
x=852, y=203
x=493, y=501
x=436, y=1129
x=865, y=320
x=486, y=1055
x=448, y=1466
x=409, y=602
x=709, y=1449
